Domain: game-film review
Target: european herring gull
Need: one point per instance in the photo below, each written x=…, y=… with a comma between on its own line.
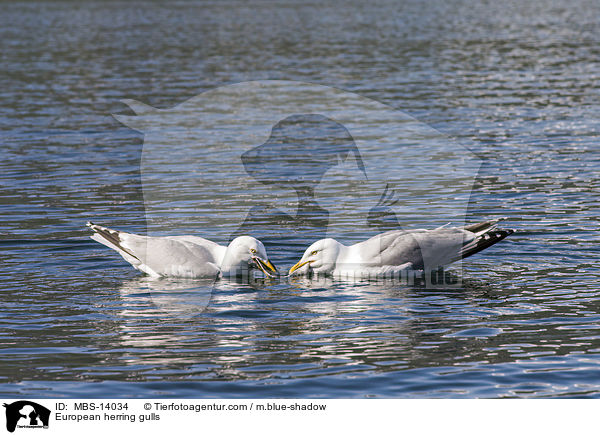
x=186, y=256
x=396, y=251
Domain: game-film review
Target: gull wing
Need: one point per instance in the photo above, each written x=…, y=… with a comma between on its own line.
x=423, y=249
x=429, y=249
x=184, y=256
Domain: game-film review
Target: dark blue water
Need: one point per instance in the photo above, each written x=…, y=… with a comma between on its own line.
x=517, y=85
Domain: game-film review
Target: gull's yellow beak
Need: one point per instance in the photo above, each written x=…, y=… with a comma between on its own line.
x=271, y=267
x=298, y=265
x=264, y=265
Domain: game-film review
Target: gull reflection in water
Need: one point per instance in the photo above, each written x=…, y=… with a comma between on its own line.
x=176, y=297
x=147, y=296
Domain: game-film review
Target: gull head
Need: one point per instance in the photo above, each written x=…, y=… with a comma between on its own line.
x=320, y=257
x=244, y=253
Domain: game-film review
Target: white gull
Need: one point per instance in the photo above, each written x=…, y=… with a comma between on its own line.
x=397, y=251
x=186, y=256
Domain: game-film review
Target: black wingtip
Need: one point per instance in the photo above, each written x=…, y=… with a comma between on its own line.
x=113, y=237
x=485, y=241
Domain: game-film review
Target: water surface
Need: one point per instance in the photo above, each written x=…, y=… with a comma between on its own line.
x=516, y=84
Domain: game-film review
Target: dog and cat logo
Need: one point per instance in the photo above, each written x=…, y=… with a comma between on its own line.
x=26, y=414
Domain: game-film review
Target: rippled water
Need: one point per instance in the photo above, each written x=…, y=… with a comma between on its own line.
x=516, y=84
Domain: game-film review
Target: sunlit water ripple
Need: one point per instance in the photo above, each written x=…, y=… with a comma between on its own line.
x=520, y=88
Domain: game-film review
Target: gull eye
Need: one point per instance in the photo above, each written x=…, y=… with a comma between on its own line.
x=253, y=251
x=314, y=253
